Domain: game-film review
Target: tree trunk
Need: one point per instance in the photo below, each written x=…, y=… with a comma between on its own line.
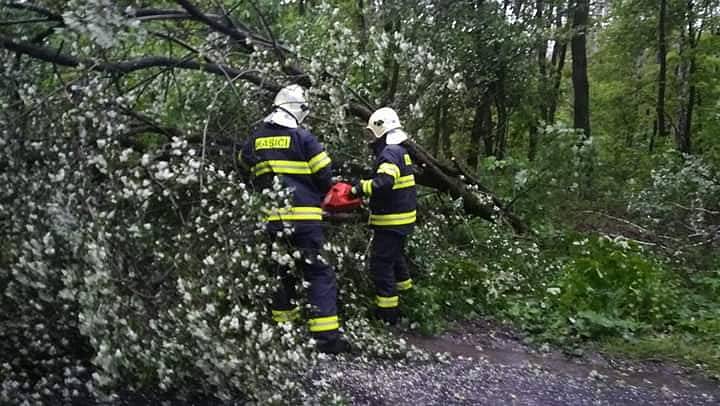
x=581, y=102
x=436, y=138
x=392, y=67
x=446, y=128
x=662, y=72
x=502, y=127
x=533, y=138
x=541, y=52
x=686, y=88
x=651, y=144
x=482, y=126
x=558, y=63
x=362, y=22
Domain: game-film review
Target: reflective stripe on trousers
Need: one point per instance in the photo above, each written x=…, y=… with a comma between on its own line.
x=321, y=324
x=395, y=219
x=294, y=213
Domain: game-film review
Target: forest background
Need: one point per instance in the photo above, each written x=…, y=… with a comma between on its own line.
x=569, y=159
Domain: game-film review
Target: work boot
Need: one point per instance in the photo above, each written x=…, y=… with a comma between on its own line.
x=334, y=345
x=388, y=316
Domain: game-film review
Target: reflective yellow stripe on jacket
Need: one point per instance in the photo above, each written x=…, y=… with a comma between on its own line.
x=389, y=169
x=281, y=167
x=366, y=187
x=404, y=182
x=319, y=161
x=294, y=213
x=315, y=164
x=396, y=219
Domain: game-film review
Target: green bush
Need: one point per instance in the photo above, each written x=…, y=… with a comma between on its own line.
x=467, y=268
x=616, y=279
x=605, y=288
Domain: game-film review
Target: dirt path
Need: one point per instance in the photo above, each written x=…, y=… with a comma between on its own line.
x=489, y=366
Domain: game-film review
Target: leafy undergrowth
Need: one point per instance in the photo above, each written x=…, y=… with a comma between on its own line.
x=566, y=288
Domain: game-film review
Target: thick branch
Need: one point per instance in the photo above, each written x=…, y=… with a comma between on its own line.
x=53, y=56
x=150, y=14
x=233, y=33
x=35, y=9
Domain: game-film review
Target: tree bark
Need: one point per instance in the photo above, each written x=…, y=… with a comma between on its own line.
x=581, y=87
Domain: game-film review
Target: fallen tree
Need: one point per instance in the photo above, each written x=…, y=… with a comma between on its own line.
x=455, y=181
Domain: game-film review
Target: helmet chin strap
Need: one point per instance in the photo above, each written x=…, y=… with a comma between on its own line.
x=289, y=113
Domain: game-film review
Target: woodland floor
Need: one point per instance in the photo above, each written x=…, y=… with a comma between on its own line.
x=490, y=365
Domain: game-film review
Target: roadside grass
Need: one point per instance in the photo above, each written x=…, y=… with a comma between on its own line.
x=685, y=349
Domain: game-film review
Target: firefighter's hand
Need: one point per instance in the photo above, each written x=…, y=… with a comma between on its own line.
x=355, y=190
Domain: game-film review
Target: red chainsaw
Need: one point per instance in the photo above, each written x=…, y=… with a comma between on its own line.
x=338, y=202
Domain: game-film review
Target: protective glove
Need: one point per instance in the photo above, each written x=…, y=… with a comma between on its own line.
x=354, y=192
x=356, y=189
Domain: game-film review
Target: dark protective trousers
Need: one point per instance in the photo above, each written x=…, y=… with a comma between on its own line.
x=309, y=239
x=389, y=272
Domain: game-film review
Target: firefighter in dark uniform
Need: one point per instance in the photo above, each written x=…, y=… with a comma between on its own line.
x=280, y=147
x=393, y=203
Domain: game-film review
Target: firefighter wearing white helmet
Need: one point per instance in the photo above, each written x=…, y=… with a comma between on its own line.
x=383, y=121
x=280, y=147
x=290, y=107
x=393, y=202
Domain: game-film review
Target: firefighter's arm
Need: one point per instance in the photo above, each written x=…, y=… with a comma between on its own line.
x=384, y=179
x=246, y=156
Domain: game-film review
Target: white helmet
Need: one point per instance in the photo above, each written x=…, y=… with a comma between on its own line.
x=290, y=107
x=386, y=121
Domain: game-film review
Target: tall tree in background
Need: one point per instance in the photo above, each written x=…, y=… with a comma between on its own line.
x=690, y=33
x=581, y=88
x=660, y=128
x=550, y=28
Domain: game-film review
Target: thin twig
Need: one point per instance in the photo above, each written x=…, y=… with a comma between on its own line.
x=618, y=219
x=701, y=209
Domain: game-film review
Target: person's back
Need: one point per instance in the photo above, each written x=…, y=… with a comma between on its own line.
x=295, y=154
x=394, y=208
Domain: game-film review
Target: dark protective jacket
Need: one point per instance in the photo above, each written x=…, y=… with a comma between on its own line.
x=392, y=192
x=296, y=156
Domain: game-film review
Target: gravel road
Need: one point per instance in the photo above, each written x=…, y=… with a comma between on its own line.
x=484, y=365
